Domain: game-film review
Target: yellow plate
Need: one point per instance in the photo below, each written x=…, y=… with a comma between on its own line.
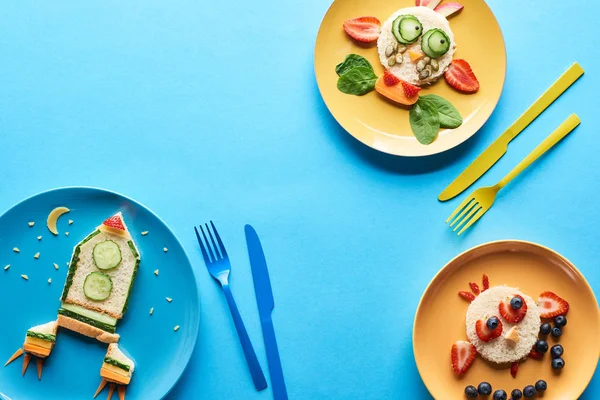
x=384, y=126
x=440, y=320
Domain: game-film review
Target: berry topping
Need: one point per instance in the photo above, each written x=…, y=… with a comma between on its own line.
x=556, y=351
x=115, y=222
x=390, y=79
x=461, y=77
x=516, y=394
x=516, y=302
x=551, y=305
x=492, y=323
x=499, y=395
x=560, y=321
x=545, y=329
x=463, y=354
x=363, y=29
x=466, y=295
x=410, y=90
x=541, y=346
x=536, y=355
x=529, y=391
x=541, y=385
x=484, y=389
x=558, y=363
x=471, y=392
x=556, y=331
x=486, y=283
x=514, y=368
x=486, y=334
x=511, y=314
x=474, y=287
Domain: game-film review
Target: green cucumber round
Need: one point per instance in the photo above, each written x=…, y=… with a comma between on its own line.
x=438, y=42
x=425, y=46
x=107, y=255
x=97, y=286
x=407, y=29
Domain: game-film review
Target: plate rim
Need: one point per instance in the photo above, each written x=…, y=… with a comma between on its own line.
x=474, y=248
x=196, y=324
x=426, y=152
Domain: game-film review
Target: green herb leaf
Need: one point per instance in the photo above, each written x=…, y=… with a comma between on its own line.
x=448, y=115
x=351, y=61
x=424, y=121
x=357, y=81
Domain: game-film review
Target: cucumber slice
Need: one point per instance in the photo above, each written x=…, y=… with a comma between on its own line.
x=425, y=46
x=107, y=255
x=97, y=286
x=91, y=314
x=438, y=42
x=407, y=29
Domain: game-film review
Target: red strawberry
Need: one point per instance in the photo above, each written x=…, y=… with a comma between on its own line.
x=551, y=305
x=390, y=79
x=509, y=314
x=535, y=354
x=115, y=222
x=466, y=295
x=484, y=333
x=474, y=287
x=410, y=90
x=363, y=29
x=462, y=354
x=486, y=283
x=514, y=367
x=461, y=77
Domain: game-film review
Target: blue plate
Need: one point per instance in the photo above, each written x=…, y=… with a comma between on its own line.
x=73, y=369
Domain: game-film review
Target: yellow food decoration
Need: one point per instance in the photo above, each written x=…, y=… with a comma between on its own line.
x=53, y=217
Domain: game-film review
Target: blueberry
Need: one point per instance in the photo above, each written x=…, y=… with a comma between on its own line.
x=556, y=351
x=471, y=392
x=541, y=385
x=529, y=391
x=499, y=395
x=560, y=321
x=545, y=329
x=492, y=323
x=556, y=331
x=516, y=303
x=484, y=389
x=541, y=346
x=516, y=394
x=558, y=363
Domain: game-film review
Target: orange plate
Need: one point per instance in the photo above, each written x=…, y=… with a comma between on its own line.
x=383, y=125
x=440, y=320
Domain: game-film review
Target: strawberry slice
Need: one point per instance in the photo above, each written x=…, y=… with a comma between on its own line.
x=462, y=354
x=115, y=222
x=390, y=79
x=536, y=355
x=410, y=90
x=510, y=314
x=484, y=333
x=466, y=295
x=363, y=29
x=551, y=305
x=474, y=288
x=461, y=77
x=514, y=368
x=486, y=282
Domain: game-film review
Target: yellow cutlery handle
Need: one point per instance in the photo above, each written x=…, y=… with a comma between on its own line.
x=563, y=130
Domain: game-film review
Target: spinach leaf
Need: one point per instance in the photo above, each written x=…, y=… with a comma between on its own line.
x=358, y=81
x=448, y=114
x=424, y=121
x=351, y=61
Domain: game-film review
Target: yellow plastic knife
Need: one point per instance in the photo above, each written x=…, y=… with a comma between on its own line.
x=496, y=150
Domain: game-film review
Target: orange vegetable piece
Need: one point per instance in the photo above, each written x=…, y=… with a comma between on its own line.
x=415, y=55
x=395, y=93
x=40, y=364
x=36, y=350
x=122, y=392
x=114, y=377
x=12, y=358
x=100, y=388
x=111, y=390
x=26, y=360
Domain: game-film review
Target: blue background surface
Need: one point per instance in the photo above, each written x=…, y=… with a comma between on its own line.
x=212, y=110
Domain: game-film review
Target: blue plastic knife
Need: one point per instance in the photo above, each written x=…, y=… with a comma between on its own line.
x=266, y=303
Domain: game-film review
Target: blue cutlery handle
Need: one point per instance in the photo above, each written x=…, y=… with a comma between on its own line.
x=258, y=377
x=275, y=369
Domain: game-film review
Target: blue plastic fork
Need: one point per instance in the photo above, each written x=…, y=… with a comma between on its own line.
x=217, y=262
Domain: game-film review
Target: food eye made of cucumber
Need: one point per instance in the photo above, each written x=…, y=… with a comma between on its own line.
x=435, y=43
x=107, y=255
x=407, y=29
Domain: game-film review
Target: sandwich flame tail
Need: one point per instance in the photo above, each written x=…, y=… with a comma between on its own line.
x=111, y=390
x=26, y=360
x=12, y=358
x=40, y=364
x=100, y=387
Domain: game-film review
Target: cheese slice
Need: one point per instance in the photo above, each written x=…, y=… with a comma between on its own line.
x=36, y=350
x=46, y=344
x=114, y=374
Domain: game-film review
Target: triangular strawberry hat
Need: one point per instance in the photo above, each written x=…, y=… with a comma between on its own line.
x=115, y=225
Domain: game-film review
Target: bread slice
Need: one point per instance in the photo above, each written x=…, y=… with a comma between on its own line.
x=40, y=339
x=117, y=367
x=87, y=330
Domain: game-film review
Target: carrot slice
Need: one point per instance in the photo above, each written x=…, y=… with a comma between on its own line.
x=102, y=384
x=12, y=358
x=122, y=392
x=114, y=377
x=111, y=390
x=40, y=364
x=36, y=350
x=26, y=360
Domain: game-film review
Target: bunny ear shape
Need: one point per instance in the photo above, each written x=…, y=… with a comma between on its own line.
x=448, y=9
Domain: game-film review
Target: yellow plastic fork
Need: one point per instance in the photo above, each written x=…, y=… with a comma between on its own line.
x=482, y=199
